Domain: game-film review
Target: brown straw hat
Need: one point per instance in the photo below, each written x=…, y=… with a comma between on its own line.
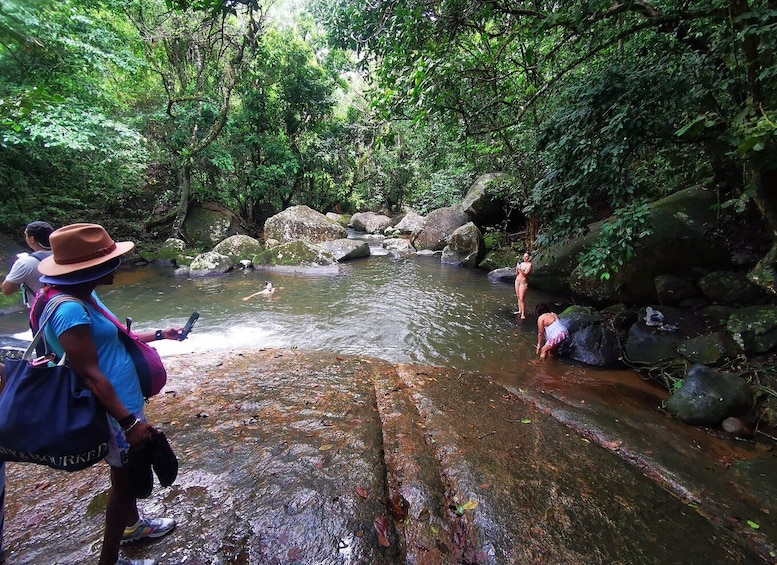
x=80, y=246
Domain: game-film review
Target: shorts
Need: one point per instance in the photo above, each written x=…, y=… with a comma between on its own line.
x=118, y=448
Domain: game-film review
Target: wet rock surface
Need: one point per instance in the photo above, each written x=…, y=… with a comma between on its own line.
x=306, y=457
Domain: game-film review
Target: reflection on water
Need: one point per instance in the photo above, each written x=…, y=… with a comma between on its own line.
x=409, y=309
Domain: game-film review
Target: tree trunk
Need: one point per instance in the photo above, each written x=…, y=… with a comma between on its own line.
x=183, y=204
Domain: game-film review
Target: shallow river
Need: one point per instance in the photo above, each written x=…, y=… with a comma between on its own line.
x=408, y=309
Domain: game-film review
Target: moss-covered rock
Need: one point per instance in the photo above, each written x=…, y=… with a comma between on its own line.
x=209, y=223
x=707, y=397
x=730, y=287
x=499, y=258
x=210, y=263
x=302, y=223
x=709, y=349
x=680, y=245
x=294, y=254
x=239, y=247
x=754, y=328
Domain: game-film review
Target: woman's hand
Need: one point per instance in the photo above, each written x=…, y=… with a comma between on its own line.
x=139, y=434
x=171, y=333
x=167, y=333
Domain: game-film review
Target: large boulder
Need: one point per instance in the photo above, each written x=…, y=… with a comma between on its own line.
x=707, y=397
x=671, y=289
x=296, y=253
x=764, y=274
x=465, y=247
x=708, y=349
x=370, y=222
x=438, y=227
x=482, y=206
x=239, y=247
x=208, y=223
x=730, y=287
x=172, y=252
x=342, y=219
x=411, y=222
x=397, y=246
x=754, y=328
x=346, y=249
x=648, y=346
x=210, y=263
x=302, y=223
x=680, y=245
x=593, y=345
x=503, y=274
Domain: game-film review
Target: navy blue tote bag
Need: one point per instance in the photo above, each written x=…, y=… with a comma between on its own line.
x=48, y=417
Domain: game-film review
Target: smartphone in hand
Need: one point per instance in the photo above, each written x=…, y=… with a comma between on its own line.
x=189, y=325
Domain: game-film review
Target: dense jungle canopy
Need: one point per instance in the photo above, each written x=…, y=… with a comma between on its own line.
x=129, y=112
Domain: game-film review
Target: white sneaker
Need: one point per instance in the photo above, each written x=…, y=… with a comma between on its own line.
x=148, y=528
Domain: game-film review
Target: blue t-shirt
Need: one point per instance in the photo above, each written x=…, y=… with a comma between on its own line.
x=112, y=357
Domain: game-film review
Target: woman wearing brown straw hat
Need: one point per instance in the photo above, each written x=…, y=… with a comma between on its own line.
x=84, y=257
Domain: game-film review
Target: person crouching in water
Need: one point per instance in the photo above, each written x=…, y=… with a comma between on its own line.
x=550, y=329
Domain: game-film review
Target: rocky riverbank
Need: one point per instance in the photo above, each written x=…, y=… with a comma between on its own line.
x=299, y=457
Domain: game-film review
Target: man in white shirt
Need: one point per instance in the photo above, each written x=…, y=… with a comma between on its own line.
x=24, y=271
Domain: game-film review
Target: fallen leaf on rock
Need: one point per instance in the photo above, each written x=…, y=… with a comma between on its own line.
x=326, y=447
x=381, y=524
x=398, y=506
x=361, y=491
x=753, y=525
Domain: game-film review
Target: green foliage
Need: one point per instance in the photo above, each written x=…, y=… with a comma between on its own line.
x=616, y=242
x=592, y=108
x=600, y=87
x=616, y=143
x=63, y=147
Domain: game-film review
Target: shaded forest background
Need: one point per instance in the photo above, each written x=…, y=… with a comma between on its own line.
x=128, y=113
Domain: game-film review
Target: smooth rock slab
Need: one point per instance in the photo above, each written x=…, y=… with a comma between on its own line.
x=291, y=457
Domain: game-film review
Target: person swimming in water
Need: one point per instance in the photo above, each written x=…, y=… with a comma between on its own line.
x=266, y=291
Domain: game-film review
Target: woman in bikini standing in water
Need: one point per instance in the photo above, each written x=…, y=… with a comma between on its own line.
x=522, y=283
